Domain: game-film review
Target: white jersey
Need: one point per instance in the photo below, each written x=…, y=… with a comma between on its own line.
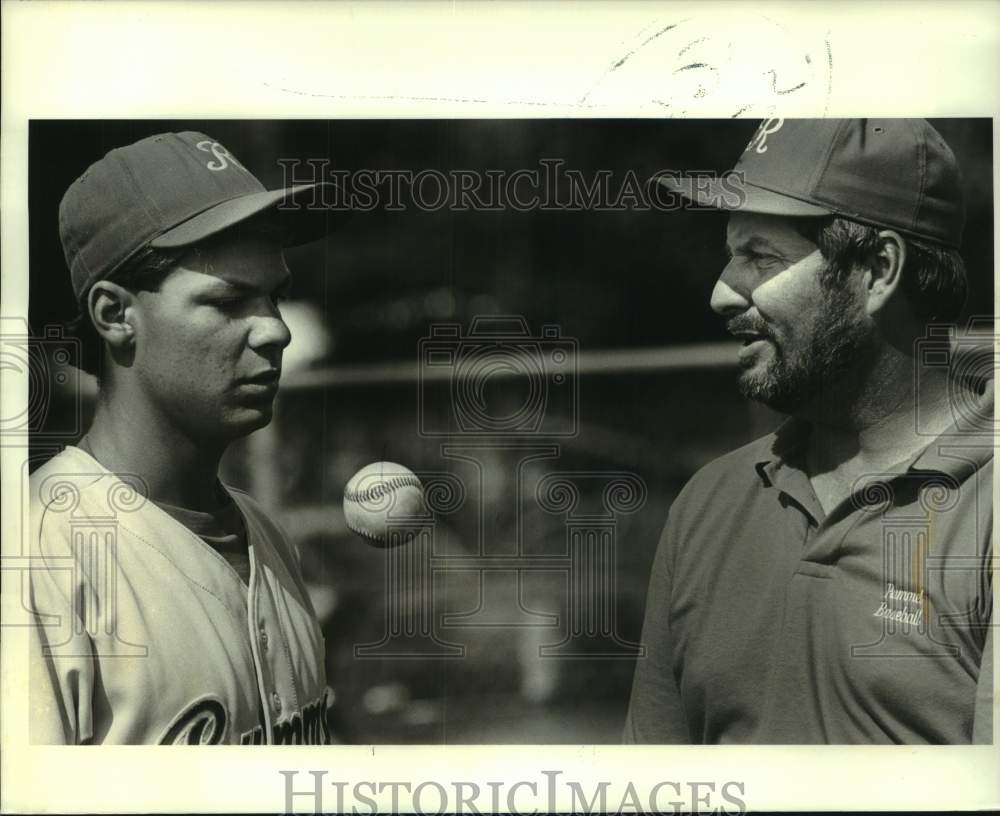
x=146, y=635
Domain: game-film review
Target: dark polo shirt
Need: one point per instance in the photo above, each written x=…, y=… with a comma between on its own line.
x=769, y=621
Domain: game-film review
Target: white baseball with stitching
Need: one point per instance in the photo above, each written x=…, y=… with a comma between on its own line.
x=380, y=495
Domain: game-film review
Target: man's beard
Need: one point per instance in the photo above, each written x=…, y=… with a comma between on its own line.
x=795, y=377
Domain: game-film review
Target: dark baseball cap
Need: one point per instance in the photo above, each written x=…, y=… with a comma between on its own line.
x=170, y=191
x=895, y=173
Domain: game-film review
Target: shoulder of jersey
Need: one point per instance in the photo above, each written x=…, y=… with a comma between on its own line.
x=71, y=487
x=64, y=471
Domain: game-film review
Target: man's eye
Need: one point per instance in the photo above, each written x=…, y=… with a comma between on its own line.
x=765, y=262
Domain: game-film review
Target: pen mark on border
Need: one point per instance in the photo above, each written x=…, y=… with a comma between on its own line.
x=619, y=63
x=403, y=98
x=692, y=44
x=629, y=54
x=734, y=67
x=829, y=73
x=774, y=83
x=582, y=103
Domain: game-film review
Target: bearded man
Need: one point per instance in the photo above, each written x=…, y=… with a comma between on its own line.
x=831, y=582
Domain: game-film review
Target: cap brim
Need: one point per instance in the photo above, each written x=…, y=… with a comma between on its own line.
x=736, y=195
x=298, y=222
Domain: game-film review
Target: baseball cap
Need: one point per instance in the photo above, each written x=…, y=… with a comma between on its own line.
x=896, y=173
x=170, y=191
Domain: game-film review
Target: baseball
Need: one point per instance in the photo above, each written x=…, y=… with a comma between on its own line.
x=380, y=495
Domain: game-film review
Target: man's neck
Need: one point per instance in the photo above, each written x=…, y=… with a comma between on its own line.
x=886, y=423
x=176, y=469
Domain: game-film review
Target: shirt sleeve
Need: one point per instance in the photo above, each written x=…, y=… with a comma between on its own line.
x=656, y=713
x=982, y=718
x=982, y=722
x=60, y=664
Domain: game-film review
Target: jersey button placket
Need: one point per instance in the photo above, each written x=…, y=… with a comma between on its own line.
x=262, y=641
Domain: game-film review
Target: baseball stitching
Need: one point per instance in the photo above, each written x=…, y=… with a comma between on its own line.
x=379, y=490
x=370, y=536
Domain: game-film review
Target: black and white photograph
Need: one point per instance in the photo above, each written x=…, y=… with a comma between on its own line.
x=508, y=431
x=592, y=447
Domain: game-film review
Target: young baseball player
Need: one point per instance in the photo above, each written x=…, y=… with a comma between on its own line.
x=170, y=608
x=831, y=582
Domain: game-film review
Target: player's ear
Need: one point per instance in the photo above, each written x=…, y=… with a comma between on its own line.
x=111, y=306
x=885, y=271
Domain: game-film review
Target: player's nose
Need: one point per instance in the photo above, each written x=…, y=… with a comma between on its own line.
x=269, y=331
x=729, y=297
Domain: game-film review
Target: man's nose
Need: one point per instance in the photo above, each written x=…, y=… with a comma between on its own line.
x=269, y=331
x=730, y=296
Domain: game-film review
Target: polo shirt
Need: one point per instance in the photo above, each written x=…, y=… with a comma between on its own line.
x=769, y=621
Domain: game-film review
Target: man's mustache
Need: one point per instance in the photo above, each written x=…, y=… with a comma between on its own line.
x=749, y=323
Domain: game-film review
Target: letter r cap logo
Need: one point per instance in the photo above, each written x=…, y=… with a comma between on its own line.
x=766, y=128
x=223, y=158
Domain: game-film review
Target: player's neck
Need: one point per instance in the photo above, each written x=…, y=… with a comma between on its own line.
x=176, y=469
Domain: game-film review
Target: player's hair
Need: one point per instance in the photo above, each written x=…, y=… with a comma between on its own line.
x=143, y=273
x=934, y=279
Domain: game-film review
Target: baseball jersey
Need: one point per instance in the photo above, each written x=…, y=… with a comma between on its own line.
x=770, y=621
x=146, y=635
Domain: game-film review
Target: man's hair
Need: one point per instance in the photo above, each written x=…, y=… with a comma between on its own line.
x=143, y=273
x=934, y=279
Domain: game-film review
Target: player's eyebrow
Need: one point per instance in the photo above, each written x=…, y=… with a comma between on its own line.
x=243, y=288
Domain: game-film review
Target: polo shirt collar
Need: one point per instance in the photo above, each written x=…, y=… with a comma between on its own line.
x=959, y=452
x=784, y=468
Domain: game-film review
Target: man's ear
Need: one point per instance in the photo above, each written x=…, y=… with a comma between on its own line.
x=111, y=309
x=885, y=272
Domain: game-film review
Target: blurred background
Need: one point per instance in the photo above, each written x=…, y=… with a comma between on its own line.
x=632, y=384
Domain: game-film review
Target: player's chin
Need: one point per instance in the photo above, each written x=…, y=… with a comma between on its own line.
x=247, y=417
